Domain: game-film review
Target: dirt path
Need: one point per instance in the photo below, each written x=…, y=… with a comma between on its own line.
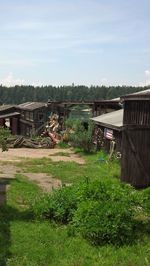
x=8, y=171
x=46, y=182
x=66, y=155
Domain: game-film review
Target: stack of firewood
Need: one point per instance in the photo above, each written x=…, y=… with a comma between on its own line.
x=20, y=142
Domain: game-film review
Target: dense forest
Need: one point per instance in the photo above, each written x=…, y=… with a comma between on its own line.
x=20, y=94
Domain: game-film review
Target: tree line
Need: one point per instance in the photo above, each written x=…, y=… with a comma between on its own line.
x=20, y=94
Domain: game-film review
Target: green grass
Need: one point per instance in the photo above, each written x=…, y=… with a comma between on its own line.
x=96, y=166
x=61, y=153
x=22, y=192
x=62, y=145
x=25, y=242
x=28, y=242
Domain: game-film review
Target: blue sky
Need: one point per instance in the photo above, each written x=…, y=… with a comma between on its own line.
x=60, y=42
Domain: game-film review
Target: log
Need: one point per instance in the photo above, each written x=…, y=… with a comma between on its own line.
x=20, y=141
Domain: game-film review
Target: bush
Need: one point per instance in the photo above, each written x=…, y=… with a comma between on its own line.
x=58, y=206
x=105, y=212
x=102, y=212
x=146, y=200
x=4, y=134
x=107, y=222
x=81, y=136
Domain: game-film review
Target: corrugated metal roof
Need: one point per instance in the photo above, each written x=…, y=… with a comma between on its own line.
x=31, y=105
x=112, y=120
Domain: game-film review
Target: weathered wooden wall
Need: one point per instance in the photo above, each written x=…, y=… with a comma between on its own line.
x=135, y=162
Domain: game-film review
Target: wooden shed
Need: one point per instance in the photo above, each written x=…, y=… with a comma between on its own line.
x=33, y=117
x=9, y=118
x=111, y=125
x=135, y=162
x=106, y=106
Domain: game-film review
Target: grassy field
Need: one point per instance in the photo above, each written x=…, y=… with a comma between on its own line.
x=28, y=242
x=96, y=166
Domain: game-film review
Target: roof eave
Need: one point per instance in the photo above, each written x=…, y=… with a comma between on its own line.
x=118, y=128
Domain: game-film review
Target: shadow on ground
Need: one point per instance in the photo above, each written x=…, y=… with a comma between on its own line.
x=7, y=214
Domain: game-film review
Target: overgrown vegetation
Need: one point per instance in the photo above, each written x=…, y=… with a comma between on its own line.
x=81, y=134
x=4, y=134
x=103, y=212
x=145, y=198
x=58, y=228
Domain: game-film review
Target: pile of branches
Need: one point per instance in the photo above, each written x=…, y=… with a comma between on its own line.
x=23, y=142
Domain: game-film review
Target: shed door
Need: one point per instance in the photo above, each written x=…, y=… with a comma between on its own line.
x=135, y=157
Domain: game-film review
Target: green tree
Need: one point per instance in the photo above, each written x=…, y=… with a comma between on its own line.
x=82, y=134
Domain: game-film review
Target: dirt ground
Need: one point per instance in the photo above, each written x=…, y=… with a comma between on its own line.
x=46, y=182
x=55, y=155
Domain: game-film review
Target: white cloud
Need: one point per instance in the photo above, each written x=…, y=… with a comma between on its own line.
x=147, y=73
x=10, y=80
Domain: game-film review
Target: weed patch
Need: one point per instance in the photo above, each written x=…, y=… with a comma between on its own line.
x=103, y=212
x=26, y=241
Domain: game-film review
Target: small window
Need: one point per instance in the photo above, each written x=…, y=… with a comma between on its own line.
x=31, y=116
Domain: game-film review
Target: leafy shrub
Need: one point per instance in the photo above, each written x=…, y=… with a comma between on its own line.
x=105, y=212
x=81, y=136
x=107, y=222
x=58, y=206
x=146, y=200
x=41, y=205
x=106, y=190
x=102, y=212
x=4, y=134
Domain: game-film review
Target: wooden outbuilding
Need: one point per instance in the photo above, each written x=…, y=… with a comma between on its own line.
x=101, y=107
x=111, y=125
x=33, y=117
x=9, y=118
x=135, y=162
